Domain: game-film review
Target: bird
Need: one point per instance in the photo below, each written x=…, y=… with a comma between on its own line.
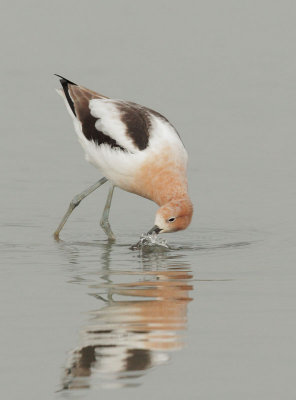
x=136, y=149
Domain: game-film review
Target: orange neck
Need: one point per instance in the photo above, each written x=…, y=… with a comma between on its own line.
x=161, y=184
x=163, y=188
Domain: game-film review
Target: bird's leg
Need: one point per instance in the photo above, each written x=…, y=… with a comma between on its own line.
x=75, y=202
x=105, y=217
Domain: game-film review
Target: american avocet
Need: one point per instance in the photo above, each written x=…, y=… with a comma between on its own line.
x=136, y=149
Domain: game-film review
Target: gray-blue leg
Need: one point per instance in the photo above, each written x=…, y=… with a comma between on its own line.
x=75, y=202
x=105, y=217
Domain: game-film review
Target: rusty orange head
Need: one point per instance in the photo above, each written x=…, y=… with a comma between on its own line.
x=173, y=216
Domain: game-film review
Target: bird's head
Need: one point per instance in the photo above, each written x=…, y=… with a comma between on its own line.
x=173, y=216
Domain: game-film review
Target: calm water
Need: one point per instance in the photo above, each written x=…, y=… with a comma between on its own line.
x=214, y=316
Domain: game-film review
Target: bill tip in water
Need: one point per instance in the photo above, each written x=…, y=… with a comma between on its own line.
x=150, y=240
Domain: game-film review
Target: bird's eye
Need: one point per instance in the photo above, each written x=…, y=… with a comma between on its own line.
x=172, y=219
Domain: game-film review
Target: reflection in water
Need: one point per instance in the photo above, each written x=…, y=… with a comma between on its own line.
x=139, y=322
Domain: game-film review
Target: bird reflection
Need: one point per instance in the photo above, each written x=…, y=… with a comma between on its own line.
x=140, y=321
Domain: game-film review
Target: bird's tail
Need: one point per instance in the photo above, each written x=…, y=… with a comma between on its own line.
x=65, y=85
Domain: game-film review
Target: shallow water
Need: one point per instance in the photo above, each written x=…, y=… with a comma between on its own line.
x=213, y=315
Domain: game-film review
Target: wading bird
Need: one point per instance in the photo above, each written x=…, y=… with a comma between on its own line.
x=136, y=149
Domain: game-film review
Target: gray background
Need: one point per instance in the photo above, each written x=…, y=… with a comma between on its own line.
x=223, y=72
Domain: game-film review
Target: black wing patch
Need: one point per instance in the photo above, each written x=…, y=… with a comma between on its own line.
x=137, y=121
x=90, y=131
x=81, y=97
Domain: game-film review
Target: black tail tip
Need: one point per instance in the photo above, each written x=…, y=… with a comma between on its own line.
x=65, y=80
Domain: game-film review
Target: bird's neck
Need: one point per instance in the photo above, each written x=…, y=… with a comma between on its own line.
x=162, y=186
x=177, y=192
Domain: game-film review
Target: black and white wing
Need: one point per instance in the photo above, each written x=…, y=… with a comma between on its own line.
x=119, y=124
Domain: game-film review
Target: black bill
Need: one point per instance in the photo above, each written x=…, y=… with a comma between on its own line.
x=155, y=229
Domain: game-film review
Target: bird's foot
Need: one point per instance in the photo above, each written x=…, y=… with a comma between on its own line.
x=107, y=229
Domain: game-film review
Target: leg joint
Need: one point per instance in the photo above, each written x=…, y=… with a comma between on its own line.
x=75, y=201
x=104, y=223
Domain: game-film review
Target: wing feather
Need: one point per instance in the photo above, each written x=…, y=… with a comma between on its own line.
x=119, y=124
